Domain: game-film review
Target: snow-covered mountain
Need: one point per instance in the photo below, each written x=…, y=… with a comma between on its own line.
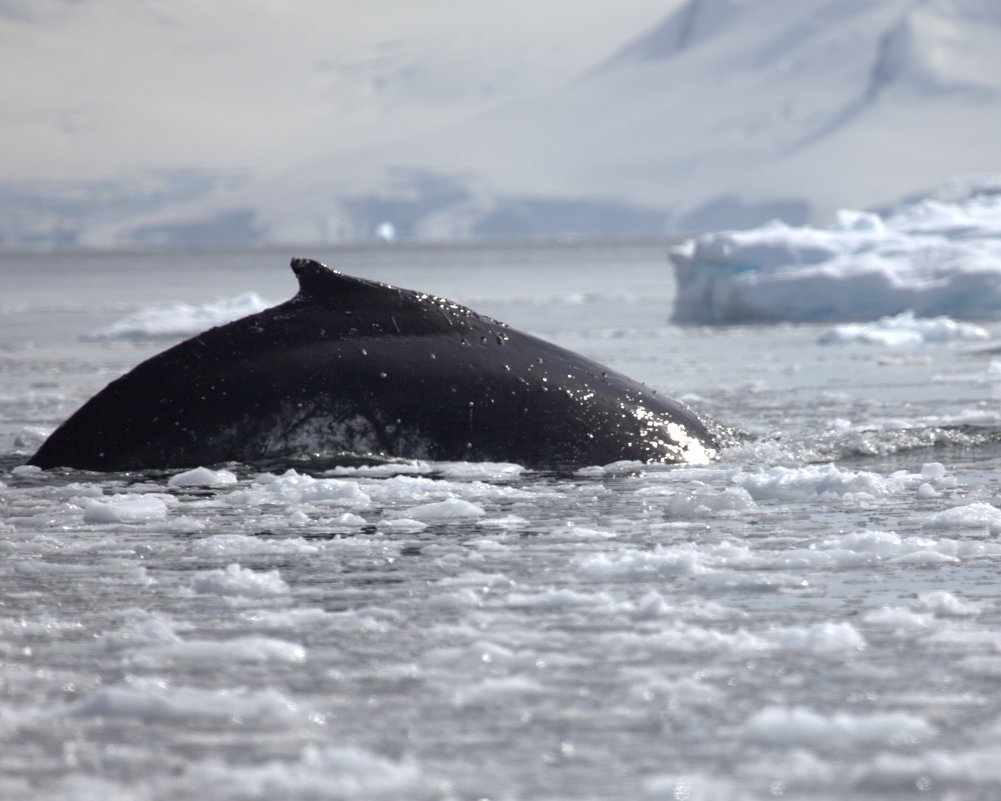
x=670, y=116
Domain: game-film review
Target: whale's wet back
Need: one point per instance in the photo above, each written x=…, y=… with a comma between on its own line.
x=349, y=365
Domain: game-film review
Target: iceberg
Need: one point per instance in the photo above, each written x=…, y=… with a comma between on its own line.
x=938, y=255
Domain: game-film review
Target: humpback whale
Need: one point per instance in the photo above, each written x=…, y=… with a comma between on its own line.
x=354, y=366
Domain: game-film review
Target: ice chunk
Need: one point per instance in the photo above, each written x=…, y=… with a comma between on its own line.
x=940, y=602
x=402, y=525
x=788, y=483
x=151, y=701
x=239, y=581
x=798, y=726
x=295, y=488
x=936, y=256
x=448, y=509
x=147, y=632
x=240, y=649
x=889, y=772
x=822, y=637
x=202, y=477
x=898, y=617
x=981, y=516
x=902, y=330
x=319, y=772
x=933, y=471
x=236, y=545
x=125, y=509
x=628, y=564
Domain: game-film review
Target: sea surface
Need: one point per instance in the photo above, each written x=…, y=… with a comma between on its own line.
x=817, y=615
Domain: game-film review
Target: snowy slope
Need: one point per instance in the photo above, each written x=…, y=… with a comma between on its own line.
x=97, y=87
x=321, y=122
x=729, y=113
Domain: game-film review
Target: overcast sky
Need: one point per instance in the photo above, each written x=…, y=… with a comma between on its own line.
x=93, y=87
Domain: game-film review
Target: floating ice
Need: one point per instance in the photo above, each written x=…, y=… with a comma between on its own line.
x=44, y=626
x=629, y=564
x=125, y=509
x=903, y=329
x=687, y=638
x=974, y=516
x=288, y=619
x=822, y=637
x=554, y=600
x=898, y=617
x=347, y=520
x=231, y=545
x=152, y=701
x=241, y=649
x=402, y=525
x=448, y=509
x=486, y=471
x=149, y=632
x=943, y=603
x=974, y=768
x=459, y=600
x=497, y=689
x=937, y=256
x=933, y=471
x=202, y=477
x=239, y=581
x=693, y=787
x=968, y=639
x=698, y=498
x=783, y=727
x=36, y=568
x=319, y=772
x=30, y=437
x=295, y=488
x=180, y=319
x=788, y=483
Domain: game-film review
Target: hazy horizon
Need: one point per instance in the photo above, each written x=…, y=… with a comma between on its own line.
x=185, y=123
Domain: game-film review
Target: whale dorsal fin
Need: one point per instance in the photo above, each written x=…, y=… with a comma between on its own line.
x=317, y=280
x=415, y=312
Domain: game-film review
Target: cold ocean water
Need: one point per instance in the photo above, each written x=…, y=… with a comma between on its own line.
x=815, y=616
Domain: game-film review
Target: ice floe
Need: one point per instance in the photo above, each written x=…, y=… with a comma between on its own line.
x=152, y=700
x=902, y=330
x=972, y=517
x=235, y=580
x=936, y=256
x=783, y=727
x=125, y=508
x=202, y=477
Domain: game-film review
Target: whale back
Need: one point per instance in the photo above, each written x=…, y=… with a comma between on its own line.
x=354, y=365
